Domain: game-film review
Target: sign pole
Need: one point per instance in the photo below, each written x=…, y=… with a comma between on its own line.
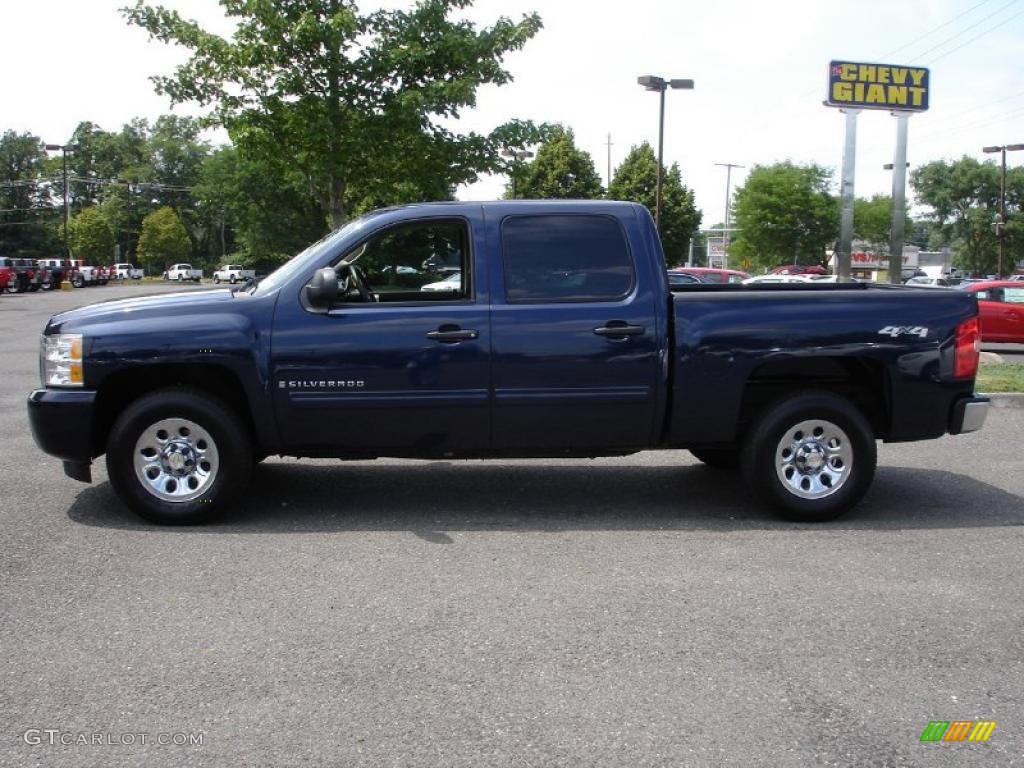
x=899, y=189
x=845, y=249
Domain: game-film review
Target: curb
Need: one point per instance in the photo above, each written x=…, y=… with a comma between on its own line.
x=1005, y=399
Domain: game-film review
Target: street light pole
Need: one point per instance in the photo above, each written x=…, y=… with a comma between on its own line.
x=64, y=149
x=521, y=155
x=660, y=84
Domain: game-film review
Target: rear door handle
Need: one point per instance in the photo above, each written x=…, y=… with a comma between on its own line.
x=450, y=334
x=619, y=329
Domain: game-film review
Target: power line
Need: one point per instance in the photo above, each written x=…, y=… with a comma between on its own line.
x=968, y=29
x=976, y=37
x=934, y=30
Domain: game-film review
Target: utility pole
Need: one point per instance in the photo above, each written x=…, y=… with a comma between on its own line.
x=1001, y=224
x=728, y=200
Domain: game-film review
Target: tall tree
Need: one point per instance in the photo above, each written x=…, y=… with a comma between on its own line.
x=355, y=101
x=25, y=206
x=785, y=214
x=636, y=180
x=560, y=171
x=163, y=241
x=963, y=196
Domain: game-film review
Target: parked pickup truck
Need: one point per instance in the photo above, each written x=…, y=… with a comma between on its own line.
x=82, y=275
x=561, y=338
x=233, y=273
x=126, y=272
x=182, y=272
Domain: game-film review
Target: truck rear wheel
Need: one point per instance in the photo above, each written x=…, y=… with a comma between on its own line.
x=811, y=456
x=78, y=281
x=178, y=456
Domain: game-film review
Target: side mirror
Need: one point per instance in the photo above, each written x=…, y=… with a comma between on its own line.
x=322, y=290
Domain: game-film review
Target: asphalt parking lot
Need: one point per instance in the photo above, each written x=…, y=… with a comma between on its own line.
x=637, y=611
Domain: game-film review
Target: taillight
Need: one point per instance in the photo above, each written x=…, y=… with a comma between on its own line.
x=967, y=351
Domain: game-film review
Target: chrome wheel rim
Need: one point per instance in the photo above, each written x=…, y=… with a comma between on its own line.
x=814, y=459
x=176, y=460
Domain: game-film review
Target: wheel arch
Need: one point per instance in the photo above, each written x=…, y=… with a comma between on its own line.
x=123, y=387
x=862, y=381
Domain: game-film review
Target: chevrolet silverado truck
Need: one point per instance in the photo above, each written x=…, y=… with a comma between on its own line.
x=560, y=337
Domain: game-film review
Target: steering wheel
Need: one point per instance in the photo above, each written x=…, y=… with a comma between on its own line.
x=356, y=279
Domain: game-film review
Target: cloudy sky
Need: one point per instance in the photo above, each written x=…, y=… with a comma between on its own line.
x=759, y=67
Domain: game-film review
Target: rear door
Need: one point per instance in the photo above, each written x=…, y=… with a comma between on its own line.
x=575, y=345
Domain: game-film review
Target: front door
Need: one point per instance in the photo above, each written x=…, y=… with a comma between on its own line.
x=400, y=364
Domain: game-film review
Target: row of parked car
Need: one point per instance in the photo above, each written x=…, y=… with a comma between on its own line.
x=29, y=275
x=22, y=275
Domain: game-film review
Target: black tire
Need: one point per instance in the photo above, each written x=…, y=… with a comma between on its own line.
x=820, y=480
x=47, y=285
x=719, y=458
x=234, y=279
x=205, y=413
x=78, y=281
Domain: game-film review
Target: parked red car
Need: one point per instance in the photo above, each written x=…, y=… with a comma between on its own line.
x=799, y=269
x=709, y=275
x=1001, y=309
x=7, y=274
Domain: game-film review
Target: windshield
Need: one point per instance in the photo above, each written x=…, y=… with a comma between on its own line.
x=304, y=259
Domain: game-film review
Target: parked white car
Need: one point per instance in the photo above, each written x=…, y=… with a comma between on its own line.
x=451, y=283
x=182, y=272
x=127, y=272
x=233, y=273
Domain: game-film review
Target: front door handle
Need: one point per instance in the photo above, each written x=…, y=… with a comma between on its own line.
x=619, y=329
x=450, y=334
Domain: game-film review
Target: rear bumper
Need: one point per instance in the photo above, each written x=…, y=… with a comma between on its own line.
x=968, y=415
x=61, y=421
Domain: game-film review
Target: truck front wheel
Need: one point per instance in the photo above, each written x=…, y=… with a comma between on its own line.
x=811, y=456
x=178, y=456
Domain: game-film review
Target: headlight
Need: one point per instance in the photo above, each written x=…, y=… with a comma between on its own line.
x=61, y=360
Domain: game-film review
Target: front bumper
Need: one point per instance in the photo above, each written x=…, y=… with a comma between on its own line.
x=62, y=422
x=968, y=415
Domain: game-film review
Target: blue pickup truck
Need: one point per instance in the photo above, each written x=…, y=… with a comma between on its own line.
x=505, y=329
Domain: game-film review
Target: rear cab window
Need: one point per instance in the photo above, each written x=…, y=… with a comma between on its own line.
x=565, y=258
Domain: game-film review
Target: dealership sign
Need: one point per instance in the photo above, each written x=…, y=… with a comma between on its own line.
x=877, y=86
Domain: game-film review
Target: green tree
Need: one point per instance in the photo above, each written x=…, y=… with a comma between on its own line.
x=91, y=237
x=872, y=219
x=963, y=196
x=636, y=180
x=785, y=214
x=355, y=102
x=264, y=206
x=163, y=241
x=560, y=171
x=25, y=206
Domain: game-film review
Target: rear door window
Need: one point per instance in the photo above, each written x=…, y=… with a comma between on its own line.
x=560, y=258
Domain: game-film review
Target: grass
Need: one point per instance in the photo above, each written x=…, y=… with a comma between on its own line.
x=1000, y=377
